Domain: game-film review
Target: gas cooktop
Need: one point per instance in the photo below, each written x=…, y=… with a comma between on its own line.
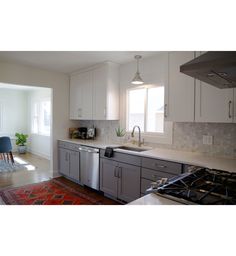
x=201, y=186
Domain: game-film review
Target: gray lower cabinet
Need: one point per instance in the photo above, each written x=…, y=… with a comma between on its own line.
x=69, y=163
x=74, y=165
x=108, y=178
x=128, y=182
x=120, y=180
x=64, y=164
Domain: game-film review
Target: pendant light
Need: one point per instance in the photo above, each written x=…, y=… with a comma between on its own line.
x=137, y=78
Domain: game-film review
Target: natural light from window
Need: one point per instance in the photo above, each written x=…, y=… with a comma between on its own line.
x=41, y=117
x=146, y=109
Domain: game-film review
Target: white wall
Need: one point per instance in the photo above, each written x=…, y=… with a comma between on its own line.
x=14, y=113
x=23, y=75
x=38, y=144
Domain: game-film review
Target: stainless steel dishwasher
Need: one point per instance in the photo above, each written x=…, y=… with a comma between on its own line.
x=89, y=166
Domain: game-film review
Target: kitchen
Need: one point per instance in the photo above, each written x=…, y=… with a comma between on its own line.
x=142, y=139
x=201, y=136
x=138, y=123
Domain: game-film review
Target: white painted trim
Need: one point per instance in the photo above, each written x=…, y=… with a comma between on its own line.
x=38, y=154
x=163, y=138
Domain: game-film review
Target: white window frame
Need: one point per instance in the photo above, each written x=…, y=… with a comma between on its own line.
x=39, y=102
x=151, y=137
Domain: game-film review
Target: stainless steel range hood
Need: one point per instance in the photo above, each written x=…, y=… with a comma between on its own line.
x=215, y=68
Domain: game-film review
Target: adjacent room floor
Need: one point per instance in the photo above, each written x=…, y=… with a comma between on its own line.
x=38, y=170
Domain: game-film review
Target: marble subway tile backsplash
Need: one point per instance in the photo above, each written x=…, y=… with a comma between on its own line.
x=186, y=136
x=189, y=137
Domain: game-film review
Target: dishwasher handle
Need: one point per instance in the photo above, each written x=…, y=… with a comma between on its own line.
x=89, y=150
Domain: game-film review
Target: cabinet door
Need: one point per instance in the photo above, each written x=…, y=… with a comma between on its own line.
x=74, y=165
x=108, y=179
x=128, y=182
x=213, y=104
x=81, y=96
x=100, y=81
x=179, y=93
x=64, y=161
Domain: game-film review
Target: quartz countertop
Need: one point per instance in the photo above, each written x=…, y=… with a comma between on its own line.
x=185, y=157
x=153, y=199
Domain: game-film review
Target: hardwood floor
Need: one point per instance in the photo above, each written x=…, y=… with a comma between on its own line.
x=98, y=196
x=38, y=170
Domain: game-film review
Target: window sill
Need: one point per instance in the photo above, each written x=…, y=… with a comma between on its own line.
x=40, y=134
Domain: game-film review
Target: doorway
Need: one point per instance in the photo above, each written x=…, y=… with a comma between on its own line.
x=27, y=110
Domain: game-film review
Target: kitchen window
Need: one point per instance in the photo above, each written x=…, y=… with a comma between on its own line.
x=41, y=117
x=146, y=109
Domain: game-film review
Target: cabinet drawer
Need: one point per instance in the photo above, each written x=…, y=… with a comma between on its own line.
x=145, y=184
x=161, y=165
x=124, y=158
x=68, y=145
x=155, y=175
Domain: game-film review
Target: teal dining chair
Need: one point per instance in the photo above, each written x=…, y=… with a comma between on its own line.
x=6, y=149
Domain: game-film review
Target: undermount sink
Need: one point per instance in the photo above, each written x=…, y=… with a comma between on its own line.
x=132, y=149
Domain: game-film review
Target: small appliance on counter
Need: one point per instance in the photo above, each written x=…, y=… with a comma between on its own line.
x=82, y=133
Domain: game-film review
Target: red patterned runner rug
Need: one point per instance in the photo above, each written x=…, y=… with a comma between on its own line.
x=52, y=192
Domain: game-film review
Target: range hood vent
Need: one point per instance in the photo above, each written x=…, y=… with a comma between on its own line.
x=215, y=68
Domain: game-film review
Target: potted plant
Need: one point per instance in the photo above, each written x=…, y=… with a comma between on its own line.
x=120, y=133
x=21, y=140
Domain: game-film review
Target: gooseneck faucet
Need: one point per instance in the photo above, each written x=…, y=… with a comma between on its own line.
x=139, y=134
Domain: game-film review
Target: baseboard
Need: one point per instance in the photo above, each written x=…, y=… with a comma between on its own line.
x=39, y=154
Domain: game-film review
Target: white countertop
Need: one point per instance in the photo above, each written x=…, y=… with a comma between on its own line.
x=153, y=199
x=191, y=158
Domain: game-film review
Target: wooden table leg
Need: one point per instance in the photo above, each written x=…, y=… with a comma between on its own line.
x=12, y=158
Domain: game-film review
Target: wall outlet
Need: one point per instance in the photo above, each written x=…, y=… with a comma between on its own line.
x=207, y=140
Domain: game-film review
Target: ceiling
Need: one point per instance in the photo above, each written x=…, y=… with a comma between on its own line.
x=69, y=61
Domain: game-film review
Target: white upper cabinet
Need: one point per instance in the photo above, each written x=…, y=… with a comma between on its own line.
x=179, y=93
x=213, y=104
x=81, y=92
x=94, y=95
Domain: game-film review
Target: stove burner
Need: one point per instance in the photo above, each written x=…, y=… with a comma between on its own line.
x=203, y=186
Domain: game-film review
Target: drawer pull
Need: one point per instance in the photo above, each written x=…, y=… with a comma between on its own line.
x=155, y=176
x=160, y=166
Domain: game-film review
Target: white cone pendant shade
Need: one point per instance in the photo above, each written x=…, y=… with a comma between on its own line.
x=137, y=78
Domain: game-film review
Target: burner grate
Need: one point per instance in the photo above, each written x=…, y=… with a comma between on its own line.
x=203, y=186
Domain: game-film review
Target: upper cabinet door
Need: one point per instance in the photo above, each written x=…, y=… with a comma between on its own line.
x=100, y=81
x=94, y=95
x=213, y=104
x=81, y=96
x=179, y=93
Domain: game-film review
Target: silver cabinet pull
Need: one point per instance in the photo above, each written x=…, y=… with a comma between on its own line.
x=230, y=115
x=119, y=172
x=115, y=172
x=105, y=112
x=160, y=166
x=79, y=112
x=155, y=176
x=67, y=154
x=165, y=110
